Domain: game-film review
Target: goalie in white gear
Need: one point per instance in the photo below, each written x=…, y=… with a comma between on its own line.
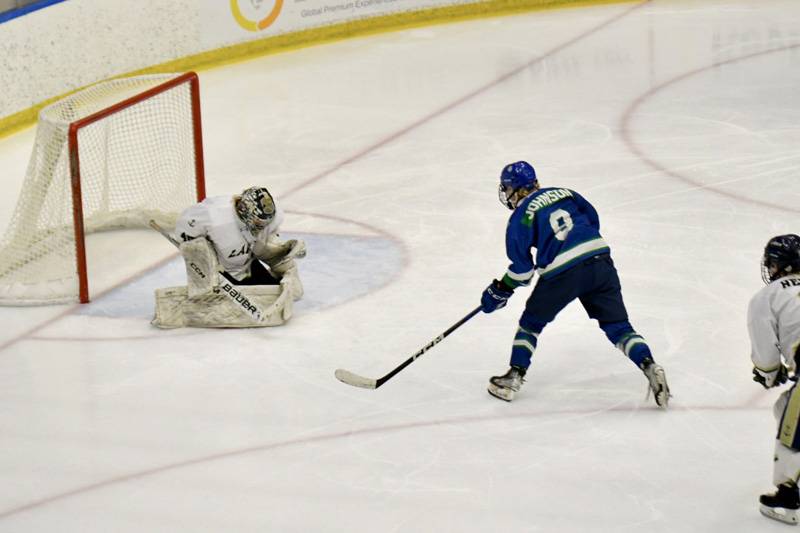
x=773, y=321
x=237, y=237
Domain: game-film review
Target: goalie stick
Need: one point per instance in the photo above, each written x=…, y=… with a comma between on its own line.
x=345, y=376
x=227, y=289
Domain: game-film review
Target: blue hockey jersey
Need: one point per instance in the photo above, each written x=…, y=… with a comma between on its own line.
x=563, y=228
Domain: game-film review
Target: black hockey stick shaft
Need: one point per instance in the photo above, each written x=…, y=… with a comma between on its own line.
x=358, y=381
x=427, y=347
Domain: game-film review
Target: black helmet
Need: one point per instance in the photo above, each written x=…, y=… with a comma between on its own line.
x=781, y=257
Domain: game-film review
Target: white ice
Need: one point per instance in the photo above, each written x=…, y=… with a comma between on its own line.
x=679, y=120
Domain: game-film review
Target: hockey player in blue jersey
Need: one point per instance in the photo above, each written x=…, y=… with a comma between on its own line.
x=573, y=262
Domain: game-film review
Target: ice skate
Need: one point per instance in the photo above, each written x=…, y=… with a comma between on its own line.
x=658, y=382
x=506, y=386
x=781, y=505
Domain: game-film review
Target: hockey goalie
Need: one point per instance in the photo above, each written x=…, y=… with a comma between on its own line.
x=239, y=273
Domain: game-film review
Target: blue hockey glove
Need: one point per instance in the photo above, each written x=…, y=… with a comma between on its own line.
x=771, y=379
x=495, y=296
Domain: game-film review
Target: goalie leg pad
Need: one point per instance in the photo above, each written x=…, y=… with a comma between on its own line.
x=290, y=279
x=176, y=309
x=170, y=302
x=201, y=266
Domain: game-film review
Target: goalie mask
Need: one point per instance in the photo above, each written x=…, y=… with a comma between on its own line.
x=255, y=208
x=516, y=181
x=781, y=257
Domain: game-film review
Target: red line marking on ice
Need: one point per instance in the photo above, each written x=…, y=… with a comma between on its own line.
x=366, y=151
x=469, y=96
x=74, y=307
x=628, y=137
x=301, y=441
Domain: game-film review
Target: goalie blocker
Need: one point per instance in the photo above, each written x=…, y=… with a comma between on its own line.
x=211, y=300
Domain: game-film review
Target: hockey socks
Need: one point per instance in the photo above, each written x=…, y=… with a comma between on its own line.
x=630, y=343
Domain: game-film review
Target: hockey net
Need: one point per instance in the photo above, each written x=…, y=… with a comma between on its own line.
x=114, y=155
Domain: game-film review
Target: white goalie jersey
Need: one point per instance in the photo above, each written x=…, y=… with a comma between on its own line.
x=212, y=239
x=773, y=321
x=215, y=218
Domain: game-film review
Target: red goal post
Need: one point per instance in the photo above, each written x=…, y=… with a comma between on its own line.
x=114, y=155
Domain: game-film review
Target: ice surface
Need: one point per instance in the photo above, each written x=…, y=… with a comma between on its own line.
x=679, y=120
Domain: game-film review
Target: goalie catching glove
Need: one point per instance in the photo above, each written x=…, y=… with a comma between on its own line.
x=279, y=256
x=276, y=254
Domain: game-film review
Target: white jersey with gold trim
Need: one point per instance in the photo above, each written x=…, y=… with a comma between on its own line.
x=773, y=320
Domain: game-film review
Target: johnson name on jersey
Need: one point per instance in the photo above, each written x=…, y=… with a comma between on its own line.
x=563, y=228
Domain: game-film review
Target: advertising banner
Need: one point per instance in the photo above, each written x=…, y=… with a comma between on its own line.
x=229, y=22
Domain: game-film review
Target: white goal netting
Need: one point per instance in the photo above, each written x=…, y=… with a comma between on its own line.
x=135, y=160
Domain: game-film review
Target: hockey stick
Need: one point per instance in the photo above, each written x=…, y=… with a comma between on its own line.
x=230, y=291
x=164, y=233
x=345, y=376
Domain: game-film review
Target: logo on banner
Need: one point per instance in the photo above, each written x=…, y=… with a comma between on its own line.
x=252, y=24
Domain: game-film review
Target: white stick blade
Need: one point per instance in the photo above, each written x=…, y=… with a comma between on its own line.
x=345, y=376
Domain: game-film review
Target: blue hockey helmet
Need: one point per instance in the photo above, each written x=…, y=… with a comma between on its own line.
x=514, y=178
x=781, y=257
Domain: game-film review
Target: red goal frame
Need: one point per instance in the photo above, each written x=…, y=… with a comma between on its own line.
x=75, y=169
